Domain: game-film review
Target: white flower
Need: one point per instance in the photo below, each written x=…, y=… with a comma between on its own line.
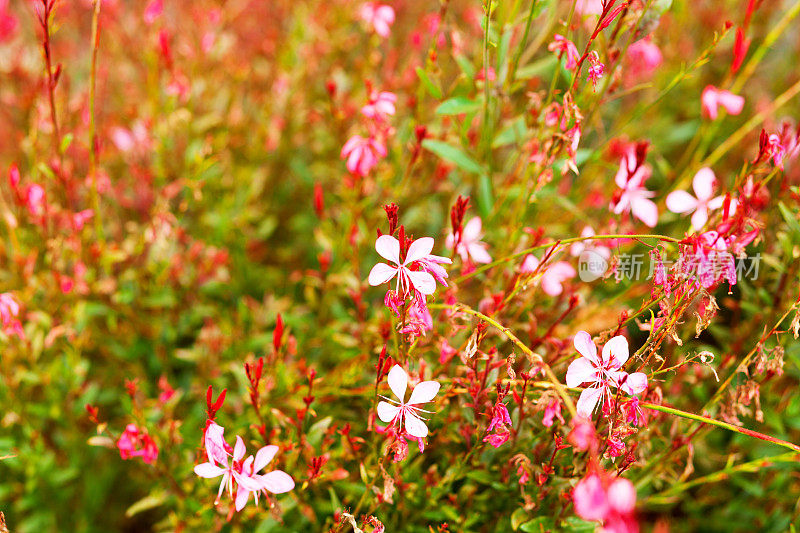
x=422, y=393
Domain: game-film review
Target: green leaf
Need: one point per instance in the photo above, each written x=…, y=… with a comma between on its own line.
x=433, y=89
x=452, y=154
x=65, y=143
x=150, y=501
x=539, y=525
x=513, y=133
x=789, y=218
x=518, y=517
x=485, y=198
x=457, y=105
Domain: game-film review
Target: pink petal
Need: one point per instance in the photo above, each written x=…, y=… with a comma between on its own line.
x=551, y=285
x=381, y=273
x=681, y=202
x=590, y=499
x=472, y=230
x=529, y=264
x=616, y=351
x=636, y=383
x=709, y=101
x=208, y=470
x=583, y=343
x=351, y=144
x=423, y=392
x=238, y=449
x=478, y=253
x=398, y=381
x=581, y=371
x=241, y=498
x=418, y=249
x=703, y=183
x=588, y=401
x=388, y=247
x=699, y=218
x=732, y=103
x=264, y=456
x=277, y=482
x=622, y=496
x=646, y=211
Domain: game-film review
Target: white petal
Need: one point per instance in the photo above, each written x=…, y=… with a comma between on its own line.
x=415, y=426
x=681, y=202
x=588, y=401
x=645, y=210
x=381, y=273
x=419, y=249
x=423, y=392
x=389, y=248
x=703, y=183
x=699, y=218
x=398, y=381
x=387, y=412
x=580, y=371
x=616, y=349
x=422, y=281
x=585, y=346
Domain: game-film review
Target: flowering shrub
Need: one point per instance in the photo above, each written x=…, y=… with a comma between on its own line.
x=363, y=266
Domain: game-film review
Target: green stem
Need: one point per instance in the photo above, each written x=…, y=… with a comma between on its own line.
x=718, y=423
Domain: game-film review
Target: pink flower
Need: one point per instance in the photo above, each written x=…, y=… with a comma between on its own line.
x=34, y=199
x=407, y=279
x=153, y=10
x=776, y=150
x=469, y=245
x=589, y=7
x=9, y=308
x=432, y=264
x=500, y=417
x=362, y=154
x=380, y=17
x=607, y=498
x=709, y=260
x=634, y=197
x=276, y=482
x=424, y=392
x=217, y=455
x=703, y=185
x=497, y=439
x=596, y=68
x=712, y=98
x=380, y=106
x=644, y=56
x=553, y=276
x=561, y=45
x=8, y=22
x=136, y=443
x=602, y=372
x=553, y=410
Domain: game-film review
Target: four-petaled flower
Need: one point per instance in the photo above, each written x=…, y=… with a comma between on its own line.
x=602, y=372
x=469, y=246
x=362, y=154
x=703, y=185
x=381, y=17
x=407, y=279
x=634, y=197
x=712, y=98
x=408, y=411
x=564, y=46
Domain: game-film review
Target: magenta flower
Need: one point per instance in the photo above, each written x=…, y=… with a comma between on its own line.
x=634, y=197
x=709, y=261
x=602, y=372
x=275, y=482
x=8, y=22
x=424, y=392
x=645, y=57
x=609, y=499
x=380, y=106
x=153, y=10
x=407, y=279
x=703, y=185
x=776, y=150
x=136, y=443
x=469, y=246
x=563, y=46
x=34, y=199
x=553, y=276
x=380, y=17
x=362, y=154
x=9, y=308
x=712, y=98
